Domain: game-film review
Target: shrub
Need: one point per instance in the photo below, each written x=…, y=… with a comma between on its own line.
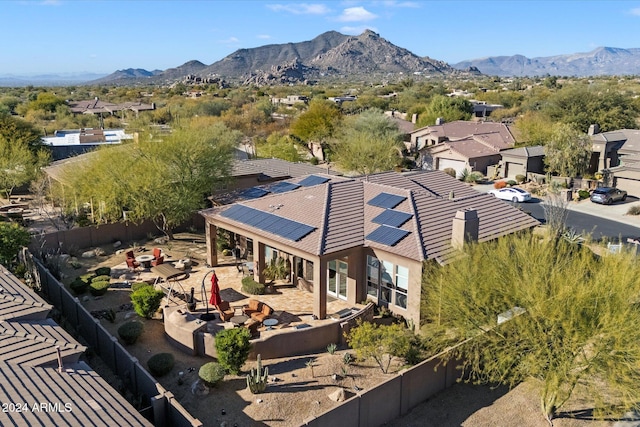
x=499, y=184
x=450, y=171
x=521, y=178
x=583, y=194
x=232, y=346
x=146, y=301
x=130, y=331
x=511, y=183
x=161, y=364
x=103, y=271
x=634, y=210
x=252, y=287
x=211, y=373
x=79, y=286
x=138, y=285
x=87, y=277
x=314, y=161
x=99, y=288
x=226, y=252
x=101, y=279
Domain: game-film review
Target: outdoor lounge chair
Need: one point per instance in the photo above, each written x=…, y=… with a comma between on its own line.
x=226, y=312
x=130, y=255
x=157, y=261
x=132, y=264
x=253, y=307
x=157, y=253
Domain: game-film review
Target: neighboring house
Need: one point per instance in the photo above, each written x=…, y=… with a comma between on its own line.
x=68, y=143
x=40, y=367
x=461, y=145
x=363, y=238
x=626, y=176
x=95, y=106
x=605, y=148
x=290, y=100
x=521, y=161
x=481, y=109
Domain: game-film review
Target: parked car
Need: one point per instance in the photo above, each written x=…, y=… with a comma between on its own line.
x=513, y=194
x=608, y=195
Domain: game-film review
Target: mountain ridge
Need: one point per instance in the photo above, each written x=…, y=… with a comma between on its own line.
x=600, y=61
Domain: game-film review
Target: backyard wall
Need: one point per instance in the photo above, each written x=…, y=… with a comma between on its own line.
x=393, y=398
x=164, y=410
x=93, y=236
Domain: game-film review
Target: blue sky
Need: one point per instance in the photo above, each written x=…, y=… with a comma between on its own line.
x=68, y=36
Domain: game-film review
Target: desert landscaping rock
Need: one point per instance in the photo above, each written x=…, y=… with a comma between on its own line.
x=337, y=396
x=89, y=254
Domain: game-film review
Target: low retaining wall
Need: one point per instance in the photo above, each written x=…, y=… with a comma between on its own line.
x=164, y=409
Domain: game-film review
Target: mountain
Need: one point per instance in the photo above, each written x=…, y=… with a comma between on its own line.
x=63, y=79
x=331, y=54
x=367, y=56
x=600, y=61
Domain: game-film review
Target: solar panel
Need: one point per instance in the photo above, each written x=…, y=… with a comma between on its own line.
x=392, y=218
x=312, y=180
x=253, y=193
x=386, y=200
x=283, y=187
x=265, y=221
x=387, y=235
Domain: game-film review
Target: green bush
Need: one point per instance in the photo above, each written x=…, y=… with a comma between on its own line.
x=87, y=277
x=138, y=285
x=146, y=301
x=583, y=194
x=98, y=288
x=211, y=373
x=79, y=286
x=450, y=171
x=520, y=178
x=103, y=271
x=252, y=287
x=511, y=183
x=161, y=364
x=314, y=161
x=130, y=331
x=232, y=346
x=101, y=279
x=634, y=210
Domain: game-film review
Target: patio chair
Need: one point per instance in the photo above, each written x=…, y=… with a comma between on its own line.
x=130, y=255
x=132, y=264
x=157, y=261
x=262, y=314
x=226, y=312
x=157, y=253
x=252, y=326
x=253, y=307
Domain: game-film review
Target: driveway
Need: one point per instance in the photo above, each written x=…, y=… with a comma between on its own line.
x=616, y=212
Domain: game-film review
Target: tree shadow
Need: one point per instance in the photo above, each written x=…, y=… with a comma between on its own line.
x=588, y=414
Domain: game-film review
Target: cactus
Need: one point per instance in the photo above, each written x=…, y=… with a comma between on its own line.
x=257, y=379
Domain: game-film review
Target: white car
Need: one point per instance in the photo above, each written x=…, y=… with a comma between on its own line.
x=513, y=194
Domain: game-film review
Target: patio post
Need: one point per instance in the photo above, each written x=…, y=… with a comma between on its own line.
x=211, y=233
x=320, y=289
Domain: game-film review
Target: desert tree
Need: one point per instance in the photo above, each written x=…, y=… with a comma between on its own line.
x=160, y=178
x=12, y=238
x=448, y=108
x=318, y=123
x=569, y=319
x=568, y=151
x=367, y=143
x=280, y=147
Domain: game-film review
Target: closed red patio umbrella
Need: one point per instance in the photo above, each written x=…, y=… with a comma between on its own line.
x=215, y=291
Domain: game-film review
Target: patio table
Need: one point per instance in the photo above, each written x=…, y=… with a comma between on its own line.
x=145, y=260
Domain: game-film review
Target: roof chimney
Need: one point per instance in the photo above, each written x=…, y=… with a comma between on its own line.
x=593, y=129
x=439, y=121
x=465, y=227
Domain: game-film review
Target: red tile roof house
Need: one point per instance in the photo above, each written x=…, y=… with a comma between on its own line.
x=38, y=387
x=364, y=238
x=461, y=145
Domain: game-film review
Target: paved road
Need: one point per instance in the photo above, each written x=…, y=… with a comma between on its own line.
x=586, y=217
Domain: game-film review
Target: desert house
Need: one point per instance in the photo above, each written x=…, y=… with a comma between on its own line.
x=362, y=238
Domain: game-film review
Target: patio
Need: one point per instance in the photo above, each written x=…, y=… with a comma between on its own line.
x=292, y=307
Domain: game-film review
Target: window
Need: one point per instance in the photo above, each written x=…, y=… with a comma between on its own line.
x=387, y=281
x=373, y=276
x=402, y=286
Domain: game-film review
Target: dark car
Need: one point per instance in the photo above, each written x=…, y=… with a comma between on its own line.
x=608, y=195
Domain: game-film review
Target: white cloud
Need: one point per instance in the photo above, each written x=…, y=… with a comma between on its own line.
x=635, y=11
x=356, y=14
x=393, y=3
x=263, y=36
x=356, y=31
x=230, y=40
x=300, y=8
